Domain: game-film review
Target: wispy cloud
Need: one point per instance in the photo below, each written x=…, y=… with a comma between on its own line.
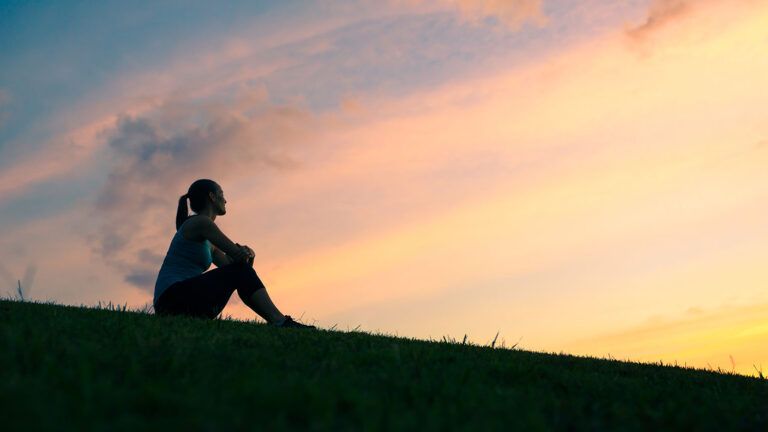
x=206, y=67
x=513, y=13
x=663, y=15
x=660, y=14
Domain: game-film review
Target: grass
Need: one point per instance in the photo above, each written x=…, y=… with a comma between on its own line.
x=74, y=368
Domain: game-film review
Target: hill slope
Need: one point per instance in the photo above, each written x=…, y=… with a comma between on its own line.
x=75, y=368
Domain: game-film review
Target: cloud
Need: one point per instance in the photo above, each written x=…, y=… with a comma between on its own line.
x=200, y=68
x=663, y=14
x=513, y=13
x=672, y=25
x=660, y=14
x=322, y=60
x=155, y=157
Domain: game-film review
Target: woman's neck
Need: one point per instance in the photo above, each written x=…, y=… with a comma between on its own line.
x=209, y=212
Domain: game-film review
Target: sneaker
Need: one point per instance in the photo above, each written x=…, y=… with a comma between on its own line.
x=290, y=323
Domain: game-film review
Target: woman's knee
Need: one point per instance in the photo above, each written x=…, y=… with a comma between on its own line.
x=243, y=271
x=240, y=267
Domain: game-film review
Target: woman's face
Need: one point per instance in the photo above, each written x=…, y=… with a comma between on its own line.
x=219, y=202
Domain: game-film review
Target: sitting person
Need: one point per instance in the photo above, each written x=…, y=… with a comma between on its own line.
x=184, y=287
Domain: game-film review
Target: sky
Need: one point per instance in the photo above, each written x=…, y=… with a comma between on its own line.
x=577, y=177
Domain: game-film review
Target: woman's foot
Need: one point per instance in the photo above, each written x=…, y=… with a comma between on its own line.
x=289, y=322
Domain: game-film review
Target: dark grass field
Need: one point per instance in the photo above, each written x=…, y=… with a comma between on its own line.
x=69, y=368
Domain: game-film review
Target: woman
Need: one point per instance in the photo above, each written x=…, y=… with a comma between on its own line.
x=183, y=286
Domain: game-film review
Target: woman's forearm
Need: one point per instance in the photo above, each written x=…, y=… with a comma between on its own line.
x=212, y=233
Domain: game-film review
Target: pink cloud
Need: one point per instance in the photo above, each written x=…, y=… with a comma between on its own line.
x=76, y=137
x=62, y=155
x=208, y=69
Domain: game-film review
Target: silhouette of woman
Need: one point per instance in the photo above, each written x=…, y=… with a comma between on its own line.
x=184, y=287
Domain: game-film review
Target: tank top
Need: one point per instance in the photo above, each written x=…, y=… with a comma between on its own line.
x=185, y=259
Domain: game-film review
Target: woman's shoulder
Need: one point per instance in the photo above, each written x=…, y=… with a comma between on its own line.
x=193, y=228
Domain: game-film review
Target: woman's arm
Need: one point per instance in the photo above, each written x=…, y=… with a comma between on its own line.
x=207, y=229
x=220, y=258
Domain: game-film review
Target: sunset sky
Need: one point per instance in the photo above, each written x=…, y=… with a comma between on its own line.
x=588, y=177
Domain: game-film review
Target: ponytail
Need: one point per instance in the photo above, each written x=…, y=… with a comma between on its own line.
x=183, y=211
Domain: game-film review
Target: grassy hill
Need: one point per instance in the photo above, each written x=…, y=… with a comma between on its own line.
x=69, y=368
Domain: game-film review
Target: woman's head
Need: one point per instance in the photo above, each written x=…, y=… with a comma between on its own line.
x=202, y=194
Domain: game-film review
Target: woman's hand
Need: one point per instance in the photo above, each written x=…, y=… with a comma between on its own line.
x=241, y=255
x=250, y=255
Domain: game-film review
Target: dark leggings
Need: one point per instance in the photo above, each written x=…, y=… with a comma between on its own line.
x=206, y=295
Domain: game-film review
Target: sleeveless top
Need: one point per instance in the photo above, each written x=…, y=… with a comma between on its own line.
x=185, y=259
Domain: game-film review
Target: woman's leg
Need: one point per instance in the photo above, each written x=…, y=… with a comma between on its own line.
x=260, y=303
x=207, y=294
x=197, y=296
x=253, y=293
